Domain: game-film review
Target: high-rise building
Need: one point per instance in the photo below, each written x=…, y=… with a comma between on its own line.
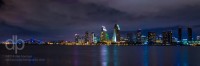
x=129, y=37
x=86, y=38
x=189, y=34
x=144, y=39
x=139, y=36
x=170, y=37
x=151, y=38
x=167, y=37
x=92, y=38
x=159, y=39
x=116, y=33
x=180, y=34
x=77, y=37
x=104, y=36
x=198, y=38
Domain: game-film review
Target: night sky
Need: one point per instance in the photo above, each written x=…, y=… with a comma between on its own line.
x=61, y=19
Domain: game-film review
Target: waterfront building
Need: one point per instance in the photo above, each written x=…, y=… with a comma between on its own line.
x=139, y=36
x=77, y=37
x=180, y=34
x=116, y=34
x=151, y=38
x=104, y=36
x=129, y=38
x=189, y=34
x=167, y=37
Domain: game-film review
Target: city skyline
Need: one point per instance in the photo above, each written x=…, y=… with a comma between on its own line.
x=177, y=36
x=184, y=33
x=137, y=37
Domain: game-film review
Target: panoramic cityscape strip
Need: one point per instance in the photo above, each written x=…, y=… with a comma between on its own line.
x=166, y=38
x=152, y=39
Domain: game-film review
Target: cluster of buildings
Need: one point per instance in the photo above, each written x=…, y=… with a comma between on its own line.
x=130, y=38
x=166, y=38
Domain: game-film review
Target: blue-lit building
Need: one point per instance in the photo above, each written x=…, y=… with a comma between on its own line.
x=116, y=34
x=93, y=38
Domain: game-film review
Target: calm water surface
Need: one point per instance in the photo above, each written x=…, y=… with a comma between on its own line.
x=102, y=56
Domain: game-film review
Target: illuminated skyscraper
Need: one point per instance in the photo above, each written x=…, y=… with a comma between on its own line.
x=104, y=36
x=167, y=37
x=86, y=38
x=144, y=39
x=116, y=33
x=159, y=39
x=92, y=38
x=189, y=34
x=77, y=37
x=170, y=38
x=139, y=36
x=151, y=38
x=198, y=38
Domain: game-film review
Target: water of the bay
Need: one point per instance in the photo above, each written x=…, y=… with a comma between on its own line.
x=48, y=55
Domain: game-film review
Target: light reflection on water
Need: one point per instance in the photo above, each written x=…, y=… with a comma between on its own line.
x=115, y=57
x=111, y=56
x=185, y=56
x=146, y=63
x=181, y=56
x=104, y=55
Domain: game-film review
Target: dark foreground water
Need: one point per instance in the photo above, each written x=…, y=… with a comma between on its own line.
x=101, y=56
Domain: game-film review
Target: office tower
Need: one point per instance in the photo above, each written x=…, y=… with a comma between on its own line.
x=159, y=39
x=167, y=37
x=198, y=38
x=139, y=36
x=77, y=37
x=180, y=34
x=86, y=37
x=144, y=39
x=104, y=36
x=189, y=34
x=129, y=37
x=151, y=38
x=116, y=33
x=170, y=38
x=92, y=37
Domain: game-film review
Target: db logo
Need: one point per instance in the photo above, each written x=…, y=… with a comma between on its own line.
x=15, y=42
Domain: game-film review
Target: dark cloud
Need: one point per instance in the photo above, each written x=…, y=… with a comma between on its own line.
x=144, y=7
x=62, y=18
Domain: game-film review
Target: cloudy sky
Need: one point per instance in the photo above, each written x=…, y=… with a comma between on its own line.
x=61, y=19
